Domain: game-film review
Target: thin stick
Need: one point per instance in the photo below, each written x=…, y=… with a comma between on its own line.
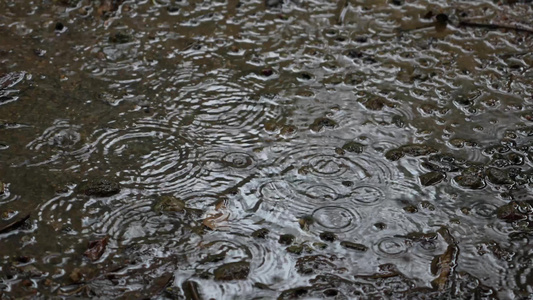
x=494, y=26
x=14, y=225
x=341, y=11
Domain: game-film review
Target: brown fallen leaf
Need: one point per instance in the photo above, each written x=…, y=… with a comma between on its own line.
x=216, y=218
x=96, y=248
x=444, y=265
x=216, y=221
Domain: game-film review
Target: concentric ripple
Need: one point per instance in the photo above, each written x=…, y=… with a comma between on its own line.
x=128, y=223
x=281, y=200
x=484, y=210
x=62, y=213
x=222, y=160
x=6, y=196
x=321, y=193
x=367, y=194
x=391, y=246
x=323, y=161
x=7, y=82
x=277, y=191
x=217, y=104
x=61, y=140
x=336, y=218
x=328, y=165
x=150, y=155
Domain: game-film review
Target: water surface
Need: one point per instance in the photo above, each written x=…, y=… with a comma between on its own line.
x=265, y=149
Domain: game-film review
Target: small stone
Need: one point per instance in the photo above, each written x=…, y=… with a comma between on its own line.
x=410, y=209
x=76, y=275
x=286, y=239
x=260, y=233
x=101, y=188
x=172, y=10
x=428, y=15
x=416, y=150
x=312, y=264
x=352, y=53
x=24, y=259
x=120, y=38
x=354, y=246
x=427, y=205
x=394, y=154
x=360, y=39
x=322, y=123
x=48, y=282
x=303, y=171
x=270, y=126
x=328, y=236
x=457, y=143
x=398, y=121
x=26, y=282
x=320, y=245
x=497, y=176
x=380, y=226
x=511, y=212
x=233, y=271
x=376, y=104
x=353, y=147
x=31, y=271
x=295, y=249
x=267, y=72
x=169, y=203
x=213, y=258
x=273, y=3
x=442, y=18
x=347, y=183
x=305, y=222
x=305, y=76
x=288, y=130
x=471, y=181
x=431, y=178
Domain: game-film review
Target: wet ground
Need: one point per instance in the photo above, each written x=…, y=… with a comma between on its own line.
x=266, y=149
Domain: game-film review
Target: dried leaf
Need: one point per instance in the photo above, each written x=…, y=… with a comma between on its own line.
x=216, y=221
x=96, y=248
x=445, y=264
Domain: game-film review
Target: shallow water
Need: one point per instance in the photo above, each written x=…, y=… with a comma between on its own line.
x=265, y=149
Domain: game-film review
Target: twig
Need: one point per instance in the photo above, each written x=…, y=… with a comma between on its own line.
x=12, y=226
x=341, y=12
x=494, y=26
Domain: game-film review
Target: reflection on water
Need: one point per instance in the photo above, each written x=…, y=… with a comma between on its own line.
x=266, y=149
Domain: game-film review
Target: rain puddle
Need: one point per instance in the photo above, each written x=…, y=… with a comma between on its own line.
x=266, y=149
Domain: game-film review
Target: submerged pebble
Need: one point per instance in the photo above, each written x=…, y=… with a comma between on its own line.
x=232, y=271
x=101, y=188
